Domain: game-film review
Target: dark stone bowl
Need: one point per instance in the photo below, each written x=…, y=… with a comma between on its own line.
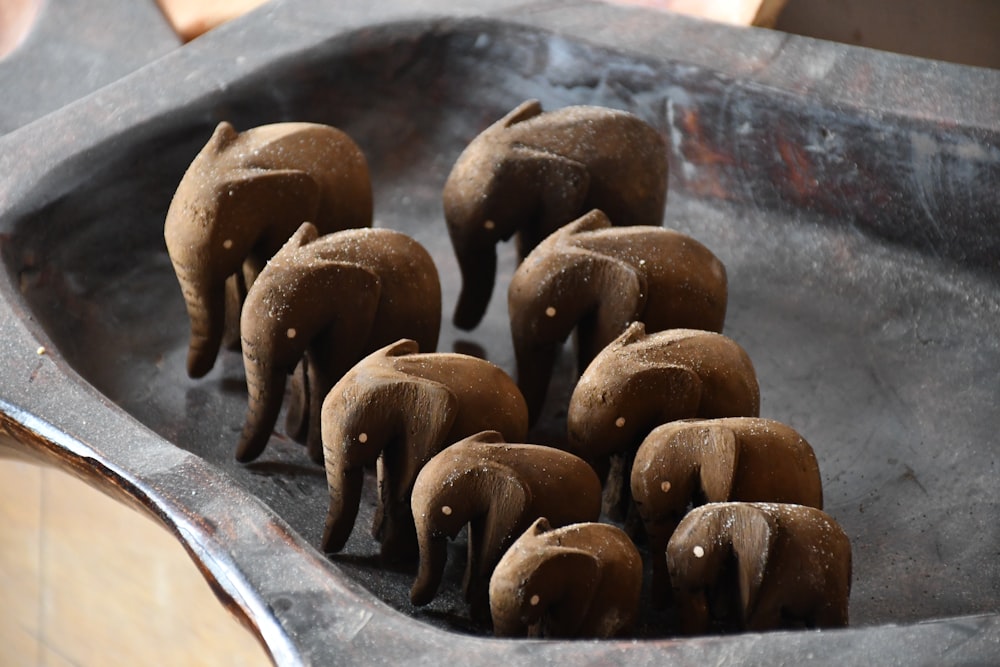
x=73, y=48
x=851, y=194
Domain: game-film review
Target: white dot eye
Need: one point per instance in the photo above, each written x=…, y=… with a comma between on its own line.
x=489, y=225
x=620, y=422
x=534, y=600
x=291, y=333
x=363, y=438
x=698, y=551
x=446, y=510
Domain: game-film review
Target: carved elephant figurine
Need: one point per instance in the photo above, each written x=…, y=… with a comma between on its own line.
x=759, y=566
x=640, y=381
x=241, y=198
x=498, y=489
x=594, y=278
x=400, y=408
x=334, y=298
x=583, y=580
x=531, y=172
x=693, y=462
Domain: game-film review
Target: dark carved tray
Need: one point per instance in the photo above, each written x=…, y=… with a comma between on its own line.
x=851, y=194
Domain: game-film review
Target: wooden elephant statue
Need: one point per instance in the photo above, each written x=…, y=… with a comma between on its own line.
x=334, y=299
x=595, y=279
x=498, y=490
x=583, y=580
x=759, y=566
x=241, y=198
x=400, y=408
x=692, y=462
x=531, y=172
x=640, y=381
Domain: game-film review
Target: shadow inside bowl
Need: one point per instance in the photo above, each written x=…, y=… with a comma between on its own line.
x=883, y=356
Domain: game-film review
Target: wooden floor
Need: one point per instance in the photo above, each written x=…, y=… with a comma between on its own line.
x=87, y=581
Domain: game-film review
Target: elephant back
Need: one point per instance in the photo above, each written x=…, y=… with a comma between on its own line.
x=728, y=379
x=775, y=463
x=686, y=284
x=548, y=472
x=324, y=152
x=625, y=157
x=410, y=302
x=487, y=398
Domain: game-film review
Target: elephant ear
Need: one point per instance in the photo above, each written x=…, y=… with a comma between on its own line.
x=437, y=406
x=753, y=535
x=561, y=183
x=269, y=195
x=573, y=575
x=673, y=392
x=510, y=499
x=622, y=288
x=523, y=111
x=719, y=457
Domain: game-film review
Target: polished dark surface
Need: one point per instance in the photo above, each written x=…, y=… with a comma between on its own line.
x=850, y=194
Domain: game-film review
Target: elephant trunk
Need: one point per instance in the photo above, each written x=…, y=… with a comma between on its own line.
x=345, y=499
x=206, y=307
x=433, y=557
x=478, y=267
x=265, y=393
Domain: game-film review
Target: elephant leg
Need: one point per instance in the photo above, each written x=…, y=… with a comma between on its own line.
x=830, y=614
x=236, y=294
x=661, y=591
x=476, y=582
x=393, y=525
x=297, y=415
x=318, y=384
x=617, y=499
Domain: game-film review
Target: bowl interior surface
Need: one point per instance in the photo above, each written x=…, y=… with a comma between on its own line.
x=884, y=358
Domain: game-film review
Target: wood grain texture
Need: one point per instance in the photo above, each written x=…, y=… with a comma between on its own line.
x=86, y=580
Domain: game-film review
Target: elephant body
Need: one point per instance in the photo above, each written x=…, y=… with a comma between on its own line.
x=759, y=566
x=596, y=279
x=400, y=408
x=583, y=580
x=531, y=172
x=498, y=489
x=693, y=462
x=334, y=299
x=241, y=198
x=640, y=381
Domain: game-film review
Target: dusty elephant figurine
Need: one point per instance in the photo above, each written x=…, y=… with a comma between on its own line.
x=532, y=172
x=241, y=198
x=579, y=581
x=400, y=408
x=640, y=381
x=334, y=298
x=498, y=489
x=596, y=279
x=759, y=566
x=693, y=462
